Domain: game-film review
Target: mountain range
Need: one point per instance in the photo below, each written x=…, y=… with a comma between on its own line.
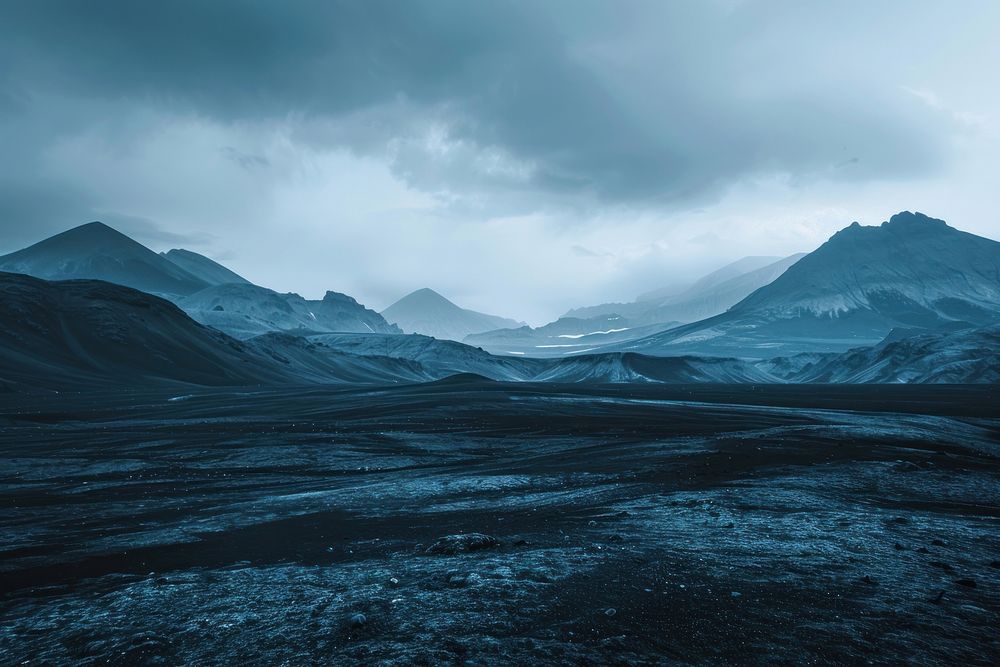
x=245, y=310
x=911, y=272
x=595, y=327
x=81, y=334
x=911, y=300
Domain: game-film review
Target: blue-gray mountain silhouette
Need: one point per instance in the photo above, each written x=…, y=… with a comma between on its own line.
x=96, y=251
x=245, y=310
x=913, y=271
x=427, y=312
x=710, y=295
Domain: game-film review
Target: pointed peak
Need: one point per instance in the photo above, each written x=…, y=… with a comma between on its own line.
x=335, y=297
x=425, y=291
x=425, y=295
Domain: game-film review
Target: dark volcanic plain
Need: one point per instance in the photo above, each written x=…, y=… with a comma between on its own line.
x=635, y=525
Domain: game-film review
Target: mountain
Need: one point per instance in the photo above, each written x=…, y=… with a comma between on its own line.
x=427, y=312
x=84, y=333
x=203, y=268
x=565, y=336
x=969, y=356
x=96, y=251
x=708, y=296
x=727, y=272
x=712, y=297
x=911, y=272
x=244, y=310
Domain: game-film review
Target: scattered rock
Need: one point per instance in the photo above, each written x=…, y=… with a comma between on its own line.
x=456, y=578
x=463, y=543
x=143, y=649
x=899, y=520
x=968, y=583
x=939, y=543
x=898, y=547
x=867, y=579
x=357, y=620
x=923, y=550
x=521, y=542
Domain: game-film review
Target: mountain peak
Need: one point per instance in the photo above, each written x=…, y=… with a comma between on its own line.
x=426, y=297
x=97, y=251
x=908, y=220
x=338, y=297
x=95, y=232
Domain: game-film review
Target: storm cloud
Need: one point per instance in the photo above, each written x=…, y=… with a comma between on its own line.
x=487, y=135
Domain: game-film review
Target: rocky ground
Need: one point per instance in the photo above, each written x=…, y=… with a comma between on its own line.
x=470, y=522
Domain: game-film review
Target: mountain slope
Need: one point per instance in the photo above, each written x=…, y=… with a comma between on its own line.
x=717, y=296
x=708, y=296
x=207, y=270
x=96, y=251
x=83, y=333
x=912, y=271
x=727, y=272
x=970, y=356
x=245, y=310
x=427, y=312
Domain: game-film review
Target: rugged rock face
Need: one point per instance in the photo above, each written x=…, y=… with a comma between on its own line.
x=964, y=357
x=244, y=311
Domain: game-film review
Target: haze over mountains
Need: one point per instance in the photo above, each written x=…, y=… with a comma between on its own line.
x=912, y=300
x=594, y=327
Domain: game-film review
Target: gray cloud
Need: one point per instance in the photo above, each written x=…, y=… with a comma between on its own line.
x=703, y=98
x=204, y=120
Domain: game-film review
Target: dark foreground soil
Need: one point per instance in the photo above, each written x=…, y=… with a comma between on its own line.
x=629, y=525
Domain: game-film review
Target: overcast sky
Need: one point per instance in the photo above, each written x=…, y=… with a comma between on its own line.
x=521, y=158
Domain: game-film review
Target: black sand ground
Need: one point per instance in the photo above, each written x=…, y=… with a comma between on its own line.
x=636, y=525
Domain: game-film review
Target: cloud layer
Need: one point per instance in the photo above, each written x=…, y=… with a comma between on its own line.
x=522, y=157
